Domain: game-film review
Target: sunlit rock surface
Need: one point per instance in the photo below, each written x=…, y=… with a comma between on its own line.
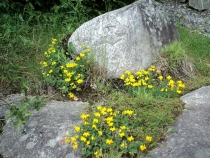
x=127, y=38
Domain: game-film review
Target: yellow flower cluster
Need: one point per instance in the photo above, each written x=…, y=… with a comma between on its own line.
x=151, y=79
x=64, y=74
x=47, y=55
x=143, y=146
x=97, y=125
x=173, y=86
x=140, y=78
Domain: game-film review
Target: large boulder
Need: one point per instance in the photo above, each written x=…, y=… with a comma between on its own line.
x=128, y=38
x=199, y=4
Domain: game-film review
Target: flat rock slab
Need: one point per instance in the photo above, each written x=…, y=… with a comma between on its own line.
x=42, y=136
x=192, y=139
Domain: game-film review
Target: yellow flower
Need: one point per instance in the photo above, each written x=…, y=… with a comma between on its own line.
x=92, y=138
x=71, y=65
x=86, y=123
x=109, y=110
x=65, y=71
x=148, y=138
x=100, y=133
x=53, y=63
x=178, y=91
x=130, y=138
x=73, y=139
x=88, y=142
x=86, y=134
x=150, y=86
x=79, y=81
x=53, y=50
x=94, y=126
x=121, y=134
x=87, y=50
x=75, y=146
x=95, y=120
x=158, y=71
x=127, y=72
x=128, y=112
x=83, y=139
x=99, y=107
x=122, y=77
x=96, y=153
x=168, y=77
x=84, y=116
x=142, y=147
x=97, y=114
x=81, y=54
x=77, y=128
x=50, y=71
x=160, y=78
x=110, y=124
x=162, y=90
x=109, y=119
x=139, y=73
x=54, y=40
x=144, y=83
x=122, y=127
x=122, y=145
x=112, y=129
x=146, y=78
x=71, y=95
x=44, y=64
x=109, y=141
x=145, y=72
x=103, y=111
x=66, y=140
x=77, y=58
x=67, y=79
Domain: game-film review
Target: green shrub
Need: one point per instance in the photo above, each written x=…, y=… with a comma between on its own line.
x=62, y=73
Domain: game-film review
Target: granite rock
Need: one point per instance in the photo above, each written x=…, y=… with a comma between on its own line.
x=42, y=135
x=192, y=139
x=199, y=4
x=127, y=38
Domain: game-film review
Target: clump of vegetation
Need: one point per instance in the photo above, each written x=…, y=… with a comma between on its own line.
x=105, y=130
x=153, y=82
x=62, y=73
x=174, y=60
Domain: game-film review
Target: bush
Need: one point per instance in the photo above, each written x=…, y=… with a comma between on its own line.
x=105, y=130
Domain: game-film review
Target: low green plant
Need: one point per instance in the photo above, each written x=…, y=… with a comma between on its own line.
x=105, y=130
x=151, y=82
x=62, y=73
x=20, y=112
x=173, y=59
x=197, y=47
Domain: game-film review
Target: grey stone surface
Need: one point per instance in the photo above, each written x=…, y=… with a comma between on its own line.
x=200, y=4
x=42, y=135
x=127, y=38
x=193, y=137
x=190, y=18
